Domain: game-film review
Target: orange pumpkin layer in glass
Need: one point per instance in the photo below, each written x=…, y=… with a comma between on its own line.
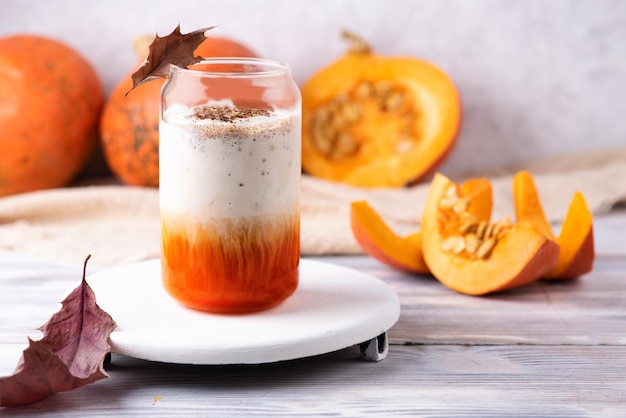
x=231, y=265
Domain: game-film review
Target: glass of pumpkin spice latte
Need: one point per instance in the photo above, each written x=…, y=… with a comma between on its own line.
x=230, y=162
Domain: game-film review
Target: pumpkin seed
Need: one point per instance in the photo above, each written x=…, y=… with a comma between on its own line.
x=345, y=146
x=392, y=101
x=363, y=90
x=404, y=145
x=322, y=143
x=485, y=248
x=502, y=232
x=454, y=243
x=451, y=191
x=447, y=202
x=352, y=112
x=461, y=205
x=339, y=121
x=340, y=98
x=471, y=243
x=480, y=229
x=468, y=226
x=381, y=88
x=501, y=228
x=468, y=216
x=458, y=245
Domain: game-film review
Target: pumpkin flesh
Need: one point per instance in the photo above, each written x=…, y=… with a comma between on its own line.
x=575, y=240
x=378, y=240
x=522, y=255
x=528, y=203
x=479, y=192
x=378, y=144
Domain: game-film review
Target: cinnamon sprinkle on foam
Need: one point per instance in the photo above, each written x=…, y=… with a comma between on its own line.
x=227, y=113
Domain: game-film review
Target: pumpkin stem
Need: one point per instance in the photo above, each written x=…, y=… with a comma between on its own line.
x=357, y=44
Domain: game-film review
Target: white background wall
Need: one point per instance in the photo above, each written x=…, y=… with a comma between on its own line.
x=537, y=77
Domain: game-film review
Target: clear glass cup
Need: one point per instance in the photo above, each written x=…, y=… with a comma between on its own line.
x=229, y=163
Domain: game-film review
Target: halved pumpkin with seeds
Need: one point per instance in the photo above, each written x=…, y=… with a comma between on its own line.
x=474, y=256
x=372, y=121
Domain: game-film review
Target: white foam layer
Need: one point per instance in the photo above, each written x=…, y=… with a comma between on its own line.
x=247, y=167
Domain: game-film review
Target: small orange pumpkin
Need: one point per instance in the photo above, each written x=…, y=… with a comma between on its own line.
x=129, y=127
x=50, y=102
x=371, y=120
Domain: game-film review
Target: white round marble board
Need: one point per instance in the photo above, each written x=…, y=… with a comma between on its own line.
x=334, y=307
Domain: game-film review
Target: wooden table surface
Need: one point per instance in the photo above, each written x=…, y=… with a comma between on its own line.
x=548, y=349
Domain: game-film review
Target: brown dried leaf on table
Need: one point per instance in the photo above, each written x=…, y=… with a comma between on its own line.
x=173, y=49
x=70, y=355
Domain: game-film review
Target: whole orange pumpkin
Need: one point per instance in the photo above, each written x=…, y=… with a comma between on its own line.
x=50, y=103
x=129, y=127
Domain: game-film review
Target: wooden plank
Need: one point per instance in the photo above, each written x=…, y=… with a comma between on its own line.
x=30, y=295
x=454, y=381
x=586, y=311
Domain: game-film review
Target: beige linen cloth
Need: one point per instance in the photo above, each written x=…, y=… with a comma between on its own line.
x=120, y=224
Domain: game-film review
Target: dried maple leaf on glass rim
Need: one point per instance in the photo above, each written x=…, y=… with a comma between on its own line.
x=70, y=355
x=173, y=49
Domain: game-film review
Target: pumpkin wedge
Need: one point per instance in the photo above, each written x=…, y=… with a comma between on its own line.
x=371, y=120
x=378, y=240
x=477, y=257
x=528, y=203
x=575, y=240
